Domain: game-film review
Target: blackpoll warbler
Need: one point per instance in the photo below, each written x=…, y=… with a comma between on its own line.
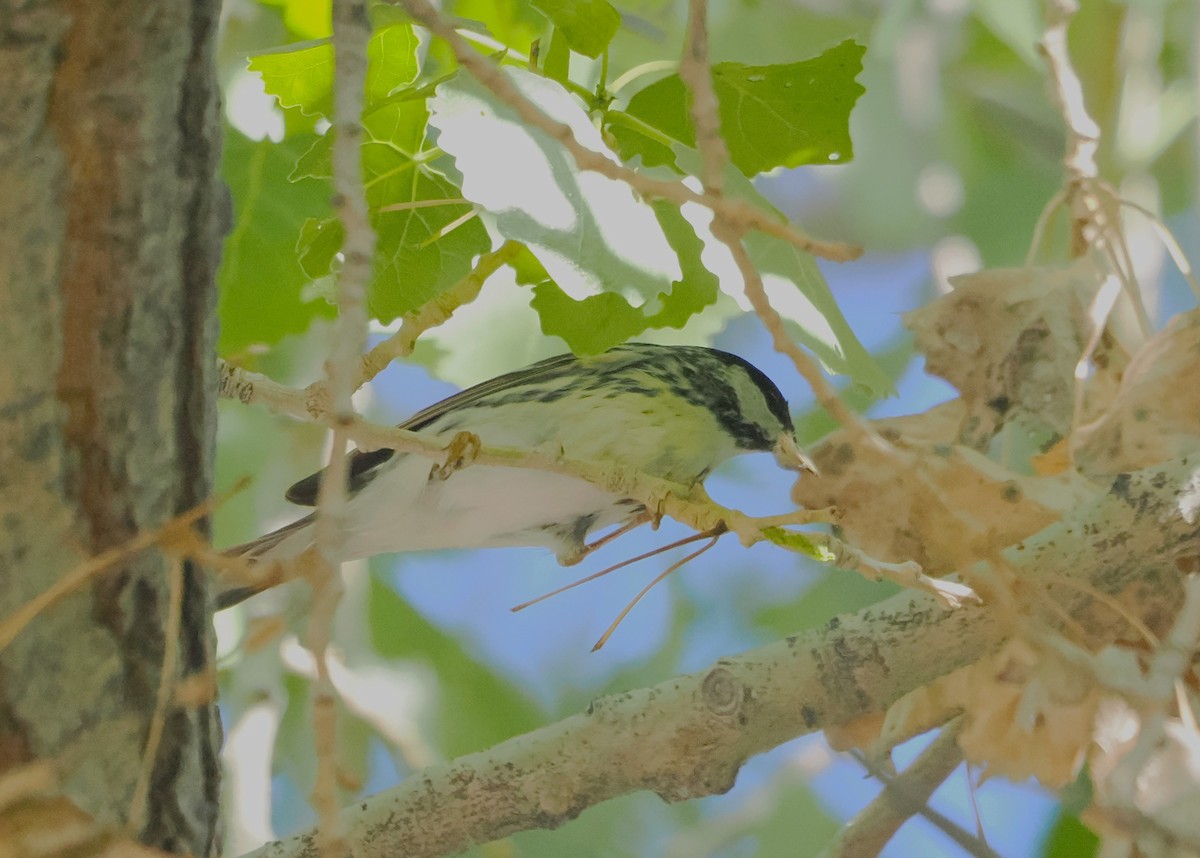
x=674, y=412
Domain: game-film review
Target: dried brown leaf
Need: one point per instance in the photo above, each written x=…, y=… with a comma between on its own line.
x=1155, y=415
x=1010, y=339
x=942, y=505
x=1028, y=714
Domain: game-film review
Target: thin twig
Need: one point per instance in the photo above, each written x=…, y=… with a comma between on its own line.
x=435, y=312
x=1110, y=601
x=965, y=840
x=76, y=578
x=645, y=555
x=315, y=402
x=351, y=31
x=422, y=204
x=827, y=396
x=1170, y=242
x=696, y=74
x=904, y=796
x=683, y=561
x=166, y=686
x=1094, y=214
x=1083, y=134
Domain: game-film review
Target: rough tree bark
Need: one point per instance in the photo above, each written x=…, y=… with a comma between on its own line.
x=109, y=237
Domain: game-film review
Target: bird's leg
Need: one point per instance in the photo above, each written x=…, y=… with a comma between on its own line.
x=637, y=521
x=460, y=452
x=712, y=534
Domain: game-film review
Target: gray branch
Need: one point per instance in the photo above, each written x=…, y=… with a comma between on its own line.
x=687, y=737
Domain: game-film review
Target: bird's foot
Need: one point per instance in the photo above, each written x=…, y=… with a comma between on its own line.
x=460, y=452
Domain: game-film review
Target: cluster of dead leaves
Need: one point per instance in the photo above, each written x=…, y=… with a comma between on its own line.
x=1056, y=397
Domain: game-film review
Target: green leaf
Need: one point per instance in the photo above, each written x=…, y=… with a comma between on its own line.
x=771, y=116
x=513, y=23
x=599, y=322
x=1070, y=838
x=528, y=271
x=318, y=245
x=414, y=262
x=589, y=326
x=301, y=75
x=391, y=61
x=794, y=540
x=556, y=55
x=261, y=281
x=603, y=247
x=589, y=25
x=699, y=287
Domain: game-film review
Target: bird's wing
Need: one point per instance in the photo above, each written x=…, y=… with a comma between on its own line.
x=363, y=465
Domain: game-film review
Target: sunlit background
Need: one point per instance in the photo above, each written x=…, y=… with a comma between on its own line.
x=957, y=149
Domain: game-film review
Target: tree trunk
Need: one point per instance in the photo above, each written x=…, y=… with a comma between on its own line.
x=109, y=239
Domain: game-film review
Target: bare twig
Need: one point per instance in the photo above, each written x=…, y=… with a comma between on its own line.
x=351, y=31
x=166, y=688
x=434, y=313
x=950, y=594
x=827, y=395
x=1093, y=204
x=695, y=72
x=315, y=402
x=683, y=561
x=1083, y=134
x=1170, y=243
x=904, y=796
x=171, y=533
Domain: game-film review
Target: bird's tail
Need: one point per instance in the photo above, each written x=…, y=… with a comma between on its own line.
x=281, y=544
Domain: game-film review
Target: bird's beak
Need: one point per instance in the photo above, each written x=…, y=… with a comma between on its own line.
x=790, y=457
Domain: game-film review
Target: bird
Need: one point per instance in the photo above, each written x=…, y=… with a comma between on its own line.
x=669, y=411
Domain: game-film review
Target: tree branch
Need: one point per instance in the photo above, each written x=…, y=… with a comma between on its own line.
x=688, y=736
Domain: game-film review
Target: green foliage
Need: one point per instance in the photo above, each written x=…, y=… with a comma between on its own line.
x=948, y=99
x=442, y=155
x=299, y=76
x=1070, y=838
x=262, y=283
x=426, y=237
x=594, y=237
x=589, y=25
x=794, y=540
x=786, y=115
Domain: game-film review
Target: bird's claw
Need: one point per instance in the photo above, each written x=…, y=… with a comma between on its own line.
x=460, y=452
